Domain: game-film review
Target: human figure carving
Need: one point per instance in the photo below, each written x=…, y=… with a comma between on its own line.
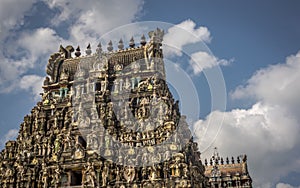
x=129, y=174
x=105, y=174
x=90, y=174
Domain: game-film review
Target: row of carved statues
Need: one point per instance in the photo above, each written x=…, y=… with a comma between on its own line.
x=96, y=173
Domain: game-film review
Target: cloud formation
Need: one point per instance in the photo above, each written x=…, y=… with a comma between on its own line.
x=93, y=18
x=285, y=185
x=33, y=84
x=12, y=14
x=40, y=42
x=268, y=131
x=186, y=39
x=183, y=34
x=32, y=47
x=276, y=84
x=203, y=60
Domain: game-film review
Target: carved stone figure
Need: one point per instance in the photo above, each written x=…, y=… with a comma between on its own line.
x=105, y=172
x=57, y=145
x=90, y=174
x=129, y=174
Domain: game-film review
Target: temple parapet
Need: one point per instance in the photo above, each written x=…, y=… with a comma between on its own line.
x=227, y=172
x=66, y=60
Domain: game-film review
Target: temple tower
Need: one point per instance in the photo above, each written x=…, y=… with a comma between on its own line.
x=225, y=172
x=106, y=119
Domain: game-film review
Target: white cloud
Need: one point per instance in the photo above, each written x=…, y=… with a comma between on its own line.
x=14, y=62
x=186, y=38
x=42, y=41
x=33, y=47
x=183, y=34
x=12, y=13
x=202, y=60
x=11, y=70
x=284, y=185
x=93, y=18
x=276, y=84
x=10, y=135
x=268, y=132
x=32, y=83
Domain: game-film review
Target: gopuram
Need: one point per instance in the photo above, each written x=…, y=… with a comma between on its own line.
x=106, y=119
x=225, y=172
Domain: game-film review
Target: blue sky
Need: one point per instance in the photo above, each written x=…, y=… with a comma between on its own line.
x=255, y=45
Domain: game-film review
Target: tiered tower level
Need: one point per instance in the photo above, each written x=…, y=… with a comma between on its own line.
x=106, y=119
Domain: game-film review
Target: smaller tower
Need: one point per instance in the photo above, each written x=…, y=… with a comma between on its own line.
x=226, y=174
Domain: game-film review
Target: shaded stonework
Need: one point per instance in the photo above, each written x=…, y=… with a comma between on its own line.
x=106, y=119
x=227, y=172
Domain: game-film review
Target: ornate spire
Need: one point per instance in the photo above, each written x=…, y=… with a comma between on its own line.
x=131, y=43
x=121, y=45
x=227, y=160
x=88, y=50
x=110, y=46
x=99, y=47
x=77, y=53
x=143, y=40
x=216, y=156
